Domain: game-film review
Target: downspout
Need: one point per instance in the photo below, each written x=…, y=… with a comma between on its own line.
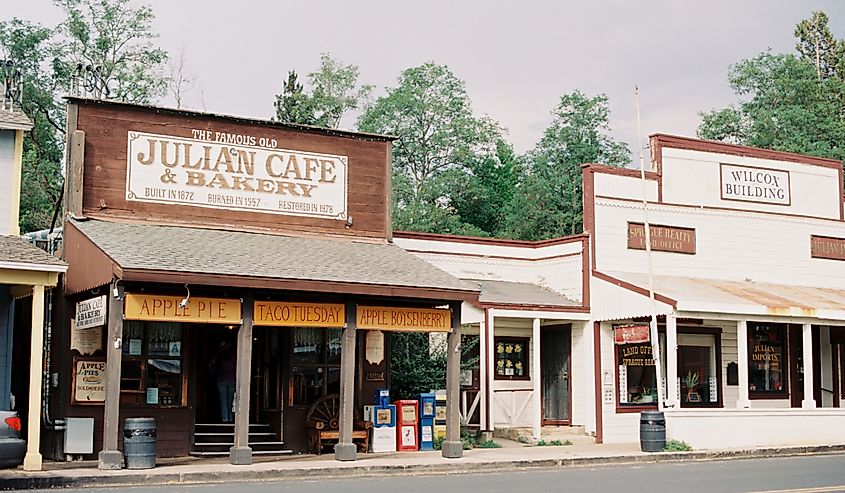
x=46, y=420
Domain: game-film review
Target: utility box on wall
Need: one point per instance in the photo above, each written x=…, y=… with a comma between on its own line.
x=79, y=436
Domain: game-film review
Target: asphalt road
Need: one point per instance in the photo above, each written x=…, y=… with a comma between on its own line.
x=813, y=474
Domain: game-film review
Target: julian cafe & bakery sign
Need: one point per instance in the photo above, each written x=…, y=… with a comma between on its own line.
x=235, y=172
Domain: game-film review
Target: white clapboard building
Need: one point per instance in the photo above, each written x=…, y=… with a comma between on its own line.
x=748, y=276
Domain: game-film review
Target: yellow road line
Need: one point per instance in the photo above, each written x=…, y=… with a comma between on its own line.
x=818, y=489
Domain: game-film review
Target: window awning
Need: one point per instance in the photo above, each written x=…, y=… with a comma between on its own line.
x=689, y=294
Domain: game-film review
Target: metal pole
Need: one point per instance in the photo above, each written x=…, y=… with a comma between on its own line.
x=655, y=341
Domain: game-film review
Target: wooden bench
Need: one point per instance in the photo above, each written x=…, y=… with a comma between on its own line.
x=322, y=423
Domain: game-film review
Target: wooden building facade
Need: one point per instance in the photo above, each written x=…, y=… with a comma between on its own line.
x=193, y=238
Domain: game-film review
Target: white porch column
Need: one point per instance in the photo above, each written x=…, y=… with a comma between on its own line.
x=491, y=370
x=32, y=459
x=672, y=399
x=809, y=402
x=482, y=371
x=536, y=377
x=742, y=363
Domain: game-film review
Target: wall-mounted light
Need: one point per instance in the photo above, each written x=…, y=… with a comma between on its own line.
x=184, y=303
x=117, y=290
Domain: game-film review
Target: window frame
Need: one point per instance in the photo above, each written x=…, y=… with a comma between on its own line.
x=137, y=398
x=717, y=341
x=785, y=365
x=525, y=341
x=321, y=364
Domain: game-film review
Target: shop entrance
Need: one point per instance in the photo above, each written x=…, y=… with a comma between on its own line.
x=555, y=346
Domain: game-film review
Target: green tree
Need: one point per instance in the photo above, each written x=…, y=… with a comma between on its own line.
x=109, y=34
x=293, y=105
x=31, y=49
x=116, y=37
x=789, y=102
x=439, y=138
x=334, y=92
x=548, y=201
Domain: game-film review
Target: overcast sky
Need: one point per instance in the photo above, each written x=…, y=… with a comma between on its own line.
x=517, y=58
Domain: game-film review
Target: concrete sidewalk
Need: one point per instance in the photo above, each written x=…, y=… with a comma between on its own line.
x=512, y=456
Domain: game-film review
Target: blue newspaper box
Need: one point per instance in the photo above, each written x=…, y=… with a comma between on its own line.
x=427, y=412
x=383, y=417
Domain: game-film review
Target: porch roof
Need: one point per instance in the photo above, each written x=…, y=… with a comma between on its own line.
x=163, y=253
x=520, y=293
x=17, y=254
x=689, y=294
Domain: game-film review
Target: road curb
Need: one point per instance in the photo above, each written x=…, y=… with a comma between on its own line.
x=24, y=481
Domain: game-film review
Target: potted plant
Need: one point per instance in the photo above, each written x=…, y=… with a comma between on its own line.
x=691, y=381
x=648, y=394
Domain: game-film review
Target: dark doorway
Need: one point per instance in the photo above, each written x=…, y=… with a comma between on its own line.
x=796, y=365
x=215, y=353
x=555, y=350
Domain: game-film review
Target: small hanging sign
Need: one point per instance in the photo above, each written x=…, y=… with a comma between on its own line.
x=630, y=334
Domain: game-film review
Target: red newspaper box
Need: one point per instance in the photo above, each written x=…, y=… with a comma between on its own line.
x=407, y=422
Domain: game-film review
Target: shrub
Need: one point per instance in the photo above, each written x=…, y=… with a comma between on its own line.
x=488, y=444
x=676, y=446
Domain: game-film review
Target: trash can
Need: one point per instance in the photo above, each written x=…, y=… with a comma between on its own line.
x=652, y=431
x=139, y=443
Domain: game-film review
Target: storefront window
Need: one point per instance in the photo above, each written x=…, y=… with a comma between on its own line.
x=512, y=358
x=636, y=373
x=315, y=362
x=766, y=359
x=151, y=369
x=698, y=369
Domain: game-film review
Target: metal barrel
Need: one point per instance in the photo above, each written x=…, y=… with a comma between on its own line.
x=139, y=443
x=652, y=431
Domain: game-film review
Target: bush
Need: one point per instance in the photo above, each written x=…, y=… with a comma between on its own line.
x=676, y=446
x=553, y=443
x=488, y=444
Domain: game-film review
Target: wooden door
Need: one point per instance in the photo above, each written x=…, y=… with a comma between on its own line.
x=555, y=352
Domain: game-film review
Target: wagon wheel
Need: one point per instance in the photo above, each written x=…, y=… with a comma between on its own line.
x=325, y=413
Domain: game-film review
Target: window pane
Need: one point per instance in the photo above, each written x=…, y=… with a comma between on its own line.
x=164, y=381
x=164, y=339
x=511, y=357
x=307, y=346
x=130, y=375
x=766, y=357
x=637, y=375
x=333, y=346
x=307, y=385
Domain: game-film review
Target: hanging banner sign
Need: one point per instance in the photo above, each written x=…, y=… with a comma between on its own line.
x=160, y=308
x=91, y=313
x=404, y=319
x=292, y=314
x=89, y=381
x=630, y=334
x=829, y=248
x=235, y=172
x=752, y=184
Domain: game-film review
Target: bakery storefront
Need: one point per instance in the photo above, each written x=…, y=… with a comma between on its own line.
x=227, y=277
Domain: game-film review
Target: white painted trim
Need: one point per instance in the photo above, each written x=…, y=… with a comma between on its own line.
x=672, y=398
x=807, y=333
x=537, y=420
x=34, y=267
x=531, y=314
x=491, y=368
x=742, y=364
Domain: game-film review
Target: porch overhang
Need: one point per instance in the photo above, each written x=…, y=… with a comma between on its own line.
x=740, y=298
x=99, y=251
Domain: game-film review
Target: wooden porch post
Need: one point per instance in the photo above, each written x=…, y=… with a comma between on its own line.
x=345, y=449
x=452, y=447
x=110, y=456
x=240, y=453
x=32, y=459
x=742, y=363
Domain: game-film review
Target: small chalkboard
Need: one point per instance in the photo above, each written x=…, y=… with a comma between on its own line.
x=733, y=374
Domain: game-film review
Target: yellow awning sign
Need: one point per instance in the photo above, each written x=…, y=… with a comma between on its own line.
x=159, y=308
x=404, y=319
x=292, y=314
